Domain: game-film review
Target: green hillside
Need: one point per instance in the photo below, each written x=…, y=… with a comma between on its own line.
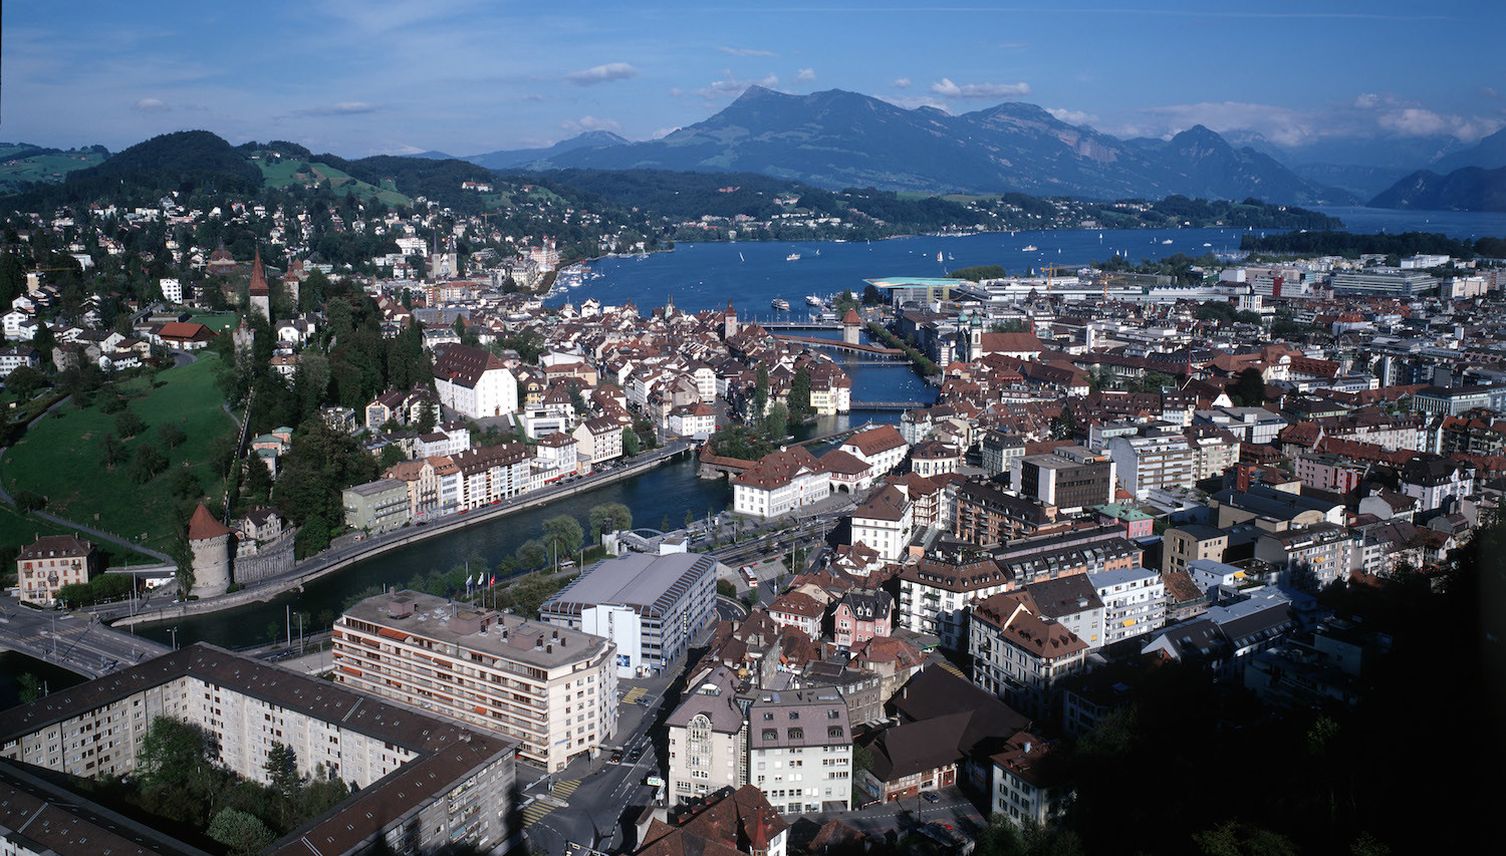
x=22, y=164
x=287, y=172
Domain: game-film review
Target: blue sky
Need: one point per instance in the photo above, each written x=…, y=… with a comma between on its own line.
x=358, y=77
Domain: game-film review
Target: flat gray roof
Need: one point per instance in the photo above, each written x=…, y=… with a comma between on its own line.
x=648, y=584
x=533, y=643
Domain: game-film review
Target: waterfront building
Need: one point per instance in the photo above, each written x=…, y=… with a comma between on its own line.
x=51, y=562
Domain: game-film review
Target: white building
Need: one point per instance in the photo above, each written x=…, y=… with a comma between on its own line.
x=708, y=738
x=780, y=483
x=474, y=382
x=1146, y=462
x=1134, y=602
x=885, y=522
x=172, y=290
x=882, y=448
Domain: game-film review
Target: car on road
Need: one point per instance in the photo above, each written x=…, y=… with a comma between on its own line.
x=616, y=757
x=634, y=755
x=930, y=796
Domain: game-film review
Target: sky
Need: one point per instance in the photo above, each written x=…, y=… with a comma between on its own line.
x=361, y=77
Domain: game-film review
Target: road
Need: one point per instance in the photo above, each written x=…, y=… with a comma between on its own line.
x=74, y=641
x=595, y=813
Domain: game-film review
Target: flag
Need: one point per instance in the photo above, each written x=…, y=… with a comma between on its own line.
x=493, y=581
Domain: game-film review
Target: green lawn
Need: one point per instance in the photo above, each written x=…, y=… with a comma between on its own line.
x=287, y=171
x=219, y=322
x=61, y=458
x=17, y=530
x=50, y=168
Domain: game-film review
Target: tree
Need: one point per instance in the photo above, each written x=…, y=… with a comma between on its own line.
x=726, y=588
x=1248, y=389
x=531, y=554
x=562, y=535
x=172, y=434
x=872, y=296
x=241, y=831
x=281, y=767
x=800, y=395
x=128, y=424
x=777, y=423
x=30, y=687
x=174, y=752
x=185, y=485
x=609, y=517
x=147, y=464
x=1065, y=426
x=631, y=445
x=25, y=382
x=760, y=391
x=114, y=451
x=44, y=341
x=392, y=454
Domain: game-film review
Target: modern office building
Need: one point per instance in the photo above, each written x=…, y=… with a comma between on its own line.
x=649, y=606
x=1070, y=478
x=420, y=783
x=552, y=689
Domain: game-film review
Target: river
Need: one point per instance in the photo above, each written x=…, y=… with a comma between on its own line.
x=704, y=276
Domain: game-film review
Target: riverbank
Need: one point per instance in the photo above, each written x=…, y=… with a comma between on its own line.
x=343, y=558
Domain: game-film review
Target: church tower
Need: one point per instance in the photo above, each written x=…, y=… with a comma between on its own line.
x=729, y=321
x=261, y=295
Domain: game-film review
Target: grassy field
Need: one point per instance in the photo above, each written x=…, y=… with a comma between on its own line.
x=14, y=173
x=219, y=322
x=61, y=458
x=17, y=530
x=286, y=171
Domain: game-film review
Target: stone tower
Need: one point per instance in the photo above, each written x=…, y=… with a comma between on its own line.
x=729, y=322
x=244, y=338
x=852, y=326
x=209, y=540
x=261, y=294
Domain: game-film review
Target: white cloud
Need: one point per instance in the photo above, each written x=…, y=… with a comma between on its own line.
x=1421, y=122
x=902, y=82
x=602, y=74
x=947, y=89
x=591, y=123
x=1072, y=117
x=730, y=51
x=340, y=108
x=1366, y=101
x=1281, y=125
x=805, y=75
x=730, y=85
x=152, y=105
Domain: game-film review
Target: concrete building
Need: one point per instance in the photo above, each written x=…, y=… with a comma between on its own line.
x=934, y=596
x=1134, y=602
x=420, y=783
x=1070, y=478
x=211, y=544
x=1182, y=545
x=1313, y=556
x=708, y=738
x=1153, y=460
x=51, y=562
x=551, y=689
x=800, y=750
x=881, y=448
x=376, y=506
x=598, y=441
x=1383, y=282
x=1024, y=787
x=671, y=597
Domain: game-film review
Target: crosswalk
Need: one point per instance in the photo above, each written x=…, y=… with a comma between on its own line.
x=535, y=812
x=633, y=695
x=564, y=788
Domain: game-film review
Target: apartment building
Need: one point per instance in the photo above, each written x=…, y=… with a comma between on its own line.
x=551, y=689
x=800, y=750
x=489, y=474
x=1314, y=556
x=598, y=440
x=860, y=615
x=987, y=514
x=1134, y=602
x=934, y=596
x=1152, y=460
x=882, y=448
x=1182, y=545
x=420, y=782
x=1019, y=655
x=885, y=522
x=376, y=506
x=708, y=738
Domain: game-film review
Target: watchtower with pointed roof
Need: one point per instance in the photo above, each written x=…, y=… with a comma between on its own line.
x=261, y=294
x=210, y=541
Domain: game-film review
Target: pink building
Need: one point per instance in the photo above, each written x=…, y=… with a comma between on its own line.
x=1136, y=523
x=861, y=615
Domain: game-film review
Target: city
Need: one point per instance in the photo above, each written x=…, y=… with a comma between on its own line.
x=993, y=481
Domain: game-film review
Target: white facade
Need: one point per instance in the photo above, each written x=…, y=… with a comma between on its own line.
x=623, y=627
x=495, y=393
x=1145, y=463
x=172, y=290
x=1134, y=602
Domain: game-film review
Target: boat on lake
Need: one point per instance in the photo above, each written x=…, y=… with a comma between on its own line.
x=1030, y=248
x=792, y=257
x=780, y=303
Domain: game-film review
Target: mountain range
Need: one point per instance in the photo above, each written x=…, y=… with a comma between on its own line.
x=837, y=139
x=522, y=158
x=1469, y=188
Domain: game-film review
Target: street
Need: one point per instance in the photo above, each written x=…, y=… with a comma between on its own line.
x=75, y=642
